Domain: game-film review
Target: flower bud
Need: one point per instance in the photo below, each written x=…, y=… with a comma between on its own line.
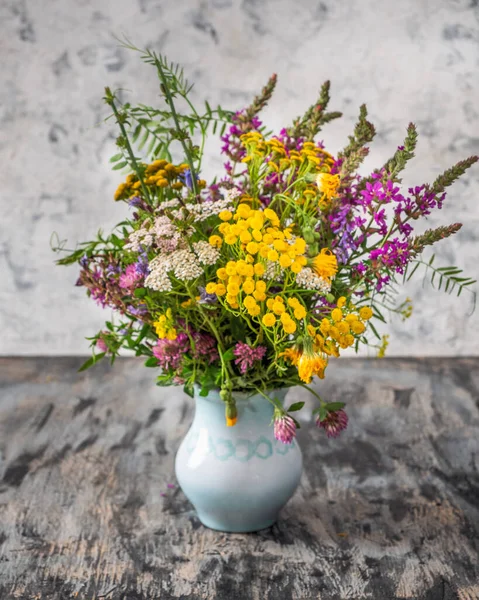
x=231, y=414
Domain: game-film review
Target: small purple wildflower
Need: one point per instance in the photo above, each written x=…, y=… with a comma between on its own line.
x=141, y=266
x=187, y=178
x=247, y=356
x=334, y=423
x=112, y=270
x=135, y=202
x=169, y=353
x=284, y=429
x=205, y=346
x=206, y=298
x=138, y=311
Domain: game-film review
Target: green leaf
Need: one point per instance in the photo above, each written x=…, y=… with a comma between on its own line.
x=229, y=354
x=378, y=314
x=140, y=293
x=120, y=165
x=323, y=412
x=189, y=390
x=136, y=133
x=163, y=380
x=296, y=406
x=412, y=272
x=374, y=330
x=116, y=157
x=298, y=425
x=334, y=406
x=91, y=361
x=151, y=362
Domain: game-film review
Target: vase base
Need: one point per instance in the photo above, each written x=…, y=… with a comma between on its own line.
x=235, y=527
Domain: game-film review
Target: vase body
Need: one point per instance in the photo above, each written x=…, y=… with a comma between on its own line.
x=237, y=478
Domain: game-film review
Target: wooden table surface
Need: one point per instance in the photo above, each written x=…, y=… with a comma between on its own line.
x=89, y=507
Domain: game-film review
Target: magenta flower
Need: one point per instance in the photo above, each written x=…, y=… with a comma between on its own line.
x=247, y=356
x=394, y=254
x=101, y=345
x=169, y=353
x=284, y=429
x=130, y=277
x=205, y=345
x=335, y=422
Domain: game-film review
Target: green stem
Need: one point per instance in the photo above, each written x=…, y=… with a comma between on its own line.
x=169, y=99
x=110, y=99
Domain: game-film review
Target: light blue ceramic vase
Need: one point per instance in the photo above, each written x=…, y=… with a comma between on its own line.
x=237, y=478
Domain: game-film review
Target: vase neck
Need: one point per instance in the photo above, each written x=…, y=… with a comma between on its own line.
x=210, y=410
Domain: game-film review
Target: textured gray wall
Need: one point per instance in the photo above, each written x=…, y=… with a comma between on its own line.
x=415, y=60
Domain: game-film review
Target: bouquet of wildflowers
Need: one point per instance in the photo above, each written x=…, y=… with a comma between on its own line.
x=254, y=281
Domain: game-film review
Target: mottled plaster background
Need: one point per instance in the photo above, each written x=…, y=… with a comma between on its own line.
x=415, y=60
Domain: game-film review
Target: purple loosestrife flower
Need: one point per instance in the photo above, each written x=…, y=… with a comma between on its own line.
x=405, y=229
x=426, y=199
x=84, y=260
x=284, y=428
x=334, y=423
x=381, y=282
x=380, y=192
x=380, y=220
x=373, y=193
x=393, y=254
x=361, y=268
x=99, y=295
x=391, y=192
x=291, y=143
x=169, y=353
x=247, y=356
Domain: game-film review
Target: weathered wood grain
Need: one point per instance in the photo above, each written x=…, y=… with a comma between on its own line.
x=389, y=510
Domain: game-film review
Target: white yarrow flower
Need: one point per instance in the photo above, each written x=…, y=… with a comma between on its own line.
x=308, y=279
x=206, y=253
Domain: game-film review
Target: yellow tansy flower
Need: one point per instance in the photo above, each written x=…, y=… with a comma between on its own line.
x=215, y=241
x=337, y=314
x=259, y=269
x=225, y=215
x=248, y=286
x=210, y=288
x=365, y=313
x=268, y=320
x=357, y=327
x=299, y=312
